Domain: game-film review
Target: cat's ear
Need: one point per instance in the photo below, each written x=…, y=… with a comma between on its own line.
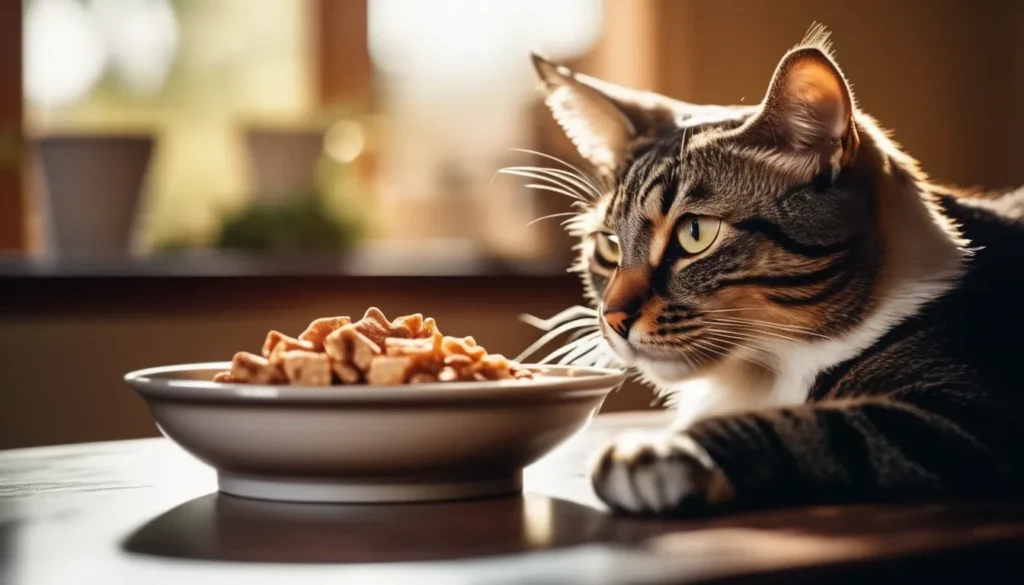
x=809, y=108
x=601, y=119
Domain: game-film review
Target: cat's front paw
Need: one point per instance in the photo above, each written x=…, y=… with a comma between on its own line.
x=656, y=473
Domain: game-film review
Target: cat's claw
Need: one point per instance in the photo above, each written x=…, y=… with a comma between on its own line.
x=653, y=473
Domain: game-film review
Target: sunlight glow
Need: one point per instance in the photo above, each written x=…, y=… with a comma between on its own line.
x=64, y=53
x=469, y=40
x=70, y=44
x=344, y=142
x=142, y=38
x=538, y=521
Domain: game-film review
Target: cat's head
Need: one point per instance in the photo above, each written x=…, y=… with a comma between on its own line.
x=716, y=231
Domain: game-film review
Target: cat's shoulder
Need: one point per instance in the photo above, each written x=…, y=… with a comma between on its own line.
x=967, y=337
x=1001, y=207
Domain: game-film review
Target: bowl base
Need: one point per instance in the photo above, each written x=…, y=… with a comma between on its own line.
x=365, y=491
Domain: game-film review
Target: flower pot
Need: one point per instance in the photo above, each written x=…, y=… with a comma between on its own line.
x=283, y=160
x=93, y=185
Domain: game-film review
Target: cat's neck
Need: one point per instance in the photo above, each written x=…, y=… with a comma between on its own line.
x=923, y=256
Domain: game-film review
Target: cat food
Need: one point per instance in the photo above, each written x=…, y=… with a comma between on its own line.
x=372, y=350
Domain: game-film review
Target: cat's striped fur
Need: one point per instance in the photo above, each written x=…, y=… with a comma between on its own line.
x=859, y=329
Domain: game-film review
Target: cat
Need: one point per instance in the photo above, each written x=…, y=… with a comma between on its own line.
x=831, y=325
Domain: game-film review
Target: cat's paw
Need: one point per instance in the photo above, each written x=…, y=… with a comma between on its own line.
x=655, y=473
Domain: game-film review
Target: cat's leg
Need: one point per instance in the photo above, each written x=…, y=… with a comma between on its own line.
x=826, y=451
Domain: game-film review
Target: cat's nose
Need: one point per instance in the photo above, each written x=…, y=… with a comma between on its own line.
x=620, y=321
x=624, y=299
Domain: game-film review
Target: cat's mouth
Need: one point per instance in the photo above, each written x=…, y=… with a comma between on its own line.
x=595, y=344
x=660, y=364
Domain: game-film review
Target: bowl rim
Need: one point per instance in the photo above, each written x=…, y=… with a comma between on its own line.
x=559, y=381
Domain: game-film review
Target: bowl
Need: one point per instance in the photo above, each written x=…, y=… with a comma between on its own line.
x=360, y=444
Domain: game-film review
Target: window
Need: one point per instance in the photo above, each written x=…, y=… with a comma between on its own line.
x=265, y=103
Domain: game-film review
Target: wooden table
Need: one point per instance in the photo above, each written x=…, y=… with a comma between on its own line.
x=145, y=512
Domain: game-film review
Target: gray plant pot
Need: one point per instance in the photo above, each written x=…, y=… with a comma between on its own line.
x=282, y=160
x=93, y=186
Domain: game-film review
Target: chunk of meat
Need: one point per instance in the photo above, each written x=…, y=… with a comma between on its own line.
x=277, y=342
x=319, y=329
x=372, y=350
x=255, y=369
x=306, y=368
x=388, y=371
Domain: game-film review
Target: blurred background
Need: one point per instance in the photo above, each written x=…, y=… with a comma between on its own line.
x=177, y=177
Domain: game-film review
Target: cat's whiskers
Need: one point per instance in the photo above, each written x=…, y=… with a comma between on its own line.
x=711, y=343
x=570, y=347
x=553, y=215
x=554, y=333
x=581, y=332
x=566, y=192
x=582, y=175
x=565, y=177
x=554, y=183
x=756, y=335
x=553, y=176
x=732, y=345
x=758, y=322
x=722, y=347
x=579, y=226
x=559, y=318
x=586, y=345
x=705, y=351
x=689, y=362
x=734, y=334
x=733, y=339
x=749, y=321
x=576, y=356
x=731, y=310
x=600, y=355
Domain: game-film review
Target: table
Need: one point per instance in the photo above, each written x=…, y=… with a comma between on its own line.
x=143, y=511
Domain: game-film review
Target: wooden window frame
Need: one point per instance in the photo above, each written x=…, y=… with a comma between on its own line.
x=12, y=161
x=344, y=73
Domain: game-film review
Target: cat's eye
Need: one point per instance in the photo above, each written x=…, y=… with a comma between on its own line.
x=696, y=233
x=606, y=247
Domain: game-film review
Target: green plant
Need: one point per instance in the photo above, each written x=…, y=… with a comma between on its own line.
x=296, y=221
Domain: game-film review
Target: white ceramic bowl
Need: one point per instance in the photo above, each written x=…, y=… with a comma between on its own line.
x=371, y=444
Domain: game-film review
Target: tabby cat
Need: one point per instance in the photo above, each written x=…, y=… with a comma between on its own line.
x=831, y=325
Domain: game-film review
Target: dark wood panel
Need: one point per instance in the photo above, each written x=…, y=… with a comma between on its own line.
x=96, y=296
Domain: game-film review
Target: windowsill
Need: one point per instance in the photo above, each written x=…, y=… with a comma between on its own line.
x=373, y=262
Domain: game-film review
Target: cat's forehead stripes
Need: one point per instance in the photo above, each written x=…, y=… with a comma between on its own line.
x=652, y=212
x=651, y=184
x=650, y=181
x=650, y=187
x=664, y=214
x=661, y=235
